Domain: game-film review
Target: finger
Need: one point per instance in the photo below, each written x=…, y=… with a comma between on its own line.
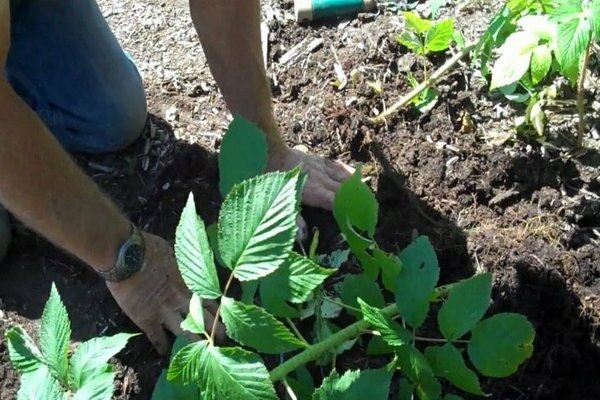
x=173, y=322
x=323, y=199
x=302, y=232
x=158, y=337
x=338, y=170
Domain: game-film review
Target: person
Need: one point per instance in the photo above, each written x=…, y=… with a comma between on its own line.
x=68, y=85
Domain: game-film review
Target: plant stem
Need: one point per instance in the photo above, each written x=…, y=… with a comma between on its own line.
x=218, y=313
x=332, y=301
x=436, y=76
x=315, y=351
x=581, y=94
x=436, y=340
x=296, y=331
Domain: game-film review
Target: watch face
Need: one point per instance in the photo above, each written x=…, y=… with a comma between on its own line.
x=133, y=257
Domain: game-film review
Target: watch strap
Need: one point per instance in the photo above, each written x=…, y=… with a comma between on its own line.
x=122, y=268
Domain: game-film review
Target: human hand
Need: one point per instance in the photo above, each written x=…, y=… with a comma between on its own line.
x=156, y=298
x=324, y=176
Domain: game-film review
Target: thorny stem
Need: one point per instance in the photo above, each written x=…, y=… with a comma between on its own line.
x=218, y=313
x=315, y=351
x=581, y=94
x=436, y=76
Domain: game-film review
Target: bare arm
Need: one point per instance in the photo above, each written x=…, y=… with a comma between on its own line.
x=230, y=35
x=42, y=186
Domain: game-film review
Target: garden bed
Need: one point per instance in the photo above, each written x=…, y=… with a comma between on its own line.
x=527, y=213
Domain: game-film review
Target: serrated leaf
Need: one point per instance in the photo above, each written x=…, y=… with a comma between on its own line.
x=514, y=60
x=392, y=332
x=243, y=154
x=411, y=41
x=186, y=363
x=415, y=282
x=500, y=344
x=415, y=366
x=24, y=355
x=355, y=286
x=233, y=373
x=40, y=384
x=466, y=305
x=573, y=39
x=447, y=362
x=257, y=224
x=416, y=23
x=439, y=37
x=252, y=326
x=377, y=347
x=91, y=357
x=194, y=321
x=373, y=384
x=194, y=256
x=175, y=389
x=595, y=11
x=99, y=387
x=294, y=281
x=541, y=61
x=567, y=10
x=55, y=334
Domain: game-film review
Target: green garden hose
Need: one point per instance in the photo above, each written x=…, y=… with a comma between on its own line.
x=310, y=10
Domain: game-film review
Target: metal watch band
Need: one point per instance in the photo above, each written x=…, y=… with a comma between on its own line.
x=123, y=268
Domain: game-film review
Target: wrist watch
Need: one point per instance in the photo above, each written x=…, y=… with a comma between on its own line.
x=130, y=258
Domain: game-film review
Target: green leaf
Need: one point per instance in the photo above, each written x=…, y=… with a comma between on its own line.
x=223, y=373
x=91, y=357
x=243, y=154
x=294, y=281
x=194, y=322
x=573, y=39
x=392, y=332
x=372, y=384
x=175, y=389
x=535, y=115
x=186, y=363
x=355, y=286
x=541, y=61
x=252, y=326
x=412, y=41
x=567, y=10
x=99, y=387
x=55, y=333
x=415, y=366
x=257, y=224
x=416, y=23
x=405, y=389
x=194, y=257
x=40, y=384
x=447, y=362
x=390, y=267
x=24, y=354
x=415, y=282
x=355, y=204
x=541, y=26
x=500, y=344
x=466, y=304
x=514, y=60
x=439, y=37
x=377, y=347
x=595, y=12
x=452, y=397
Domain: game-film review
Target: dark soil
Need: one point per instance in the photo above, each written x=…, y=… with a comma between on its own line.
x=530, y=214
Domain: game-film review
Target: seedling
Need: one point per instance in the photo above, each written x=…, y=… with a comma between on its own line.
x=424, y=37
x=256, y=229
x=49, y=373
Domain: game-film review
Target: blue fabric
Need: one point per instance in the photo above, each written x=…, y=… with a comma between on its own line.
x=68, y=66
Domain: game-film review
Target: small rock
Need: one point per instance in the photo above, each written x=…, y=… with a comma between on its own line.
x=172, y=114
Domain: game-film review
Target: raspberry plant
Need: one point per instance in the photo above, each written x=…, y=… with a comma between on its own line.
x=254, y=244
x=47, y=370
